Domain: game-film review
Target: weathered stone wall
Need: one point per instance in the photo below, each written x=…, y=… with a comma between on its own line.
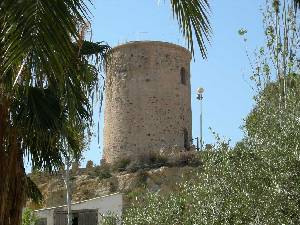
x=148, y=102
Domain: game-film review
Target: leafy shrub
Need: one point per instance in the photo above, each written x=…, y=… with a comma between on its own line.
x=103, y=171
x=91, y=174
x=28, y=217
x=150, y=160
x=110, y=219
x=141, y=178
x=113, y=185
x=182, y=159
x=121, y=165
x=133, y=195
x=153, y=160
x=236, y=186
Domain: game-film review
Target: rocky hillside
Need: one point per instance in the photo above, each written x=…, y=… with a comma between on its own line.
x=154, y=173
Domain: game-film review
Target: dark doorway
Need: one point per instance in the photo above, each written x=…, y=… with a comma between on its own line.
x=88, y=217
x=60, y=218
x=183, y=76
x=75, y=219
x=79, y=217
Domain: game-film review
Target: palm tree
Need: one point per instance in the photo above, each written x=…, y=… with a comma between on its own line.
x=47, y=83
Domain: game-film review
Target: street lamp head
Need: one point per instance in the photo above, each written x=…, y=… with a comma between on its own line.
x=200, y=90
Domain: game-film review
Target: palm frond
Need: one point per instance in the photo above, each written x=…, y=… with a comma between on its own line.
x=193, y=19
x=91, y=48
x=39, y=118
x=41, y=33
x=33, y=192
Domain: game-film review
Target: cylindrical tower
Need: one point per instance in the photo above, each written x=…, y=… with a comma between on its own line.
x=147, y=99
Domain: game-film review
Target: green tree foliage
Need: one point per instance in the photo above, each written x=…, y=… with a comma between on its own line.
x=274, y=123
x=28, y=217
x=235, y=186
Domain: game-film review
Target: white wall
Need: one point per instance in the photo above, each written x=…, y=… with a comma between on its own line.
x=110, y=204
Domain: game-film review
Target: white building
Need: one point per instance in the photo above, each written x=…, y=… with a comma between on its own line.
x=88, y=212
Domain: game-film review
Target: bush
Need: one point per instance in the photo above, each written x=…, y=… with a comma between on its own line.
x=182, y=159
x=150, y=160
x=237, y=186
x=121, y=165
x=153, y=160
x=142, y=177
x=28, y=217
x=110, y=219
x=103, y=171
x=113, y=185
x=133, y=195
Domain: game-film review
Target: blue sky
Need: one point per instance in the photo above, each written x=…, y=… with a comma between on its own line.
x=224, y=75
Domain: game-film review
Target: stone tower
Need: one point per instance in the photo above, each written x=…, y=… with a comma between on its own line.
x=148, y=99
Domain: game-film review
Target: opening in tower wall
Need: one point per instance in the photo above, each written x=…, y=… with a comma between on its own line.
x=183, y=75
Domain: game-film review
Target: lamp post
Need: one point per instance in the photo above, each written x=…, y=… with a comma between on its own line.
x=200, y=92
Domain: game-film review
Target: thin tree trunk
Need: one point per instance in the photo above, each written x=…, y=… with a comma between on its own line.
x=68, y=188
